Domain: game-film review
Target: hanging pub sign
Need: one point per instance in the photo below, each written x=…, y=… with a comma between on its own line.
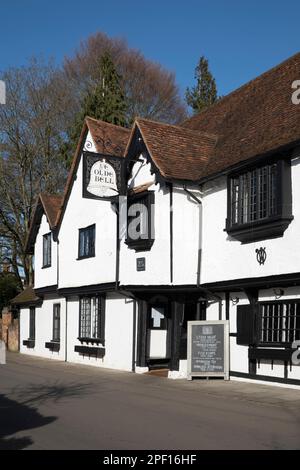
x=102, y=176
x=208, y=349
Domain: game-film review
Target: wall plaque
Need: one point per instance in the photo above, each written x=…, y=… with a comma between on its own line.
x=208, y=349
x=102, y=176
x=141, y=264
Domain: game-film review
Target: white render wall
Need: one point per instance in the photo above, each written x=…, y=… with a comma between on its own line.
x=239, y=353
x=158, y=258
x=118, y=334
x=82, y=212
x=43, y=329
x=186, y=236
x=225, y=258
x=44, y=276
x=119, y=316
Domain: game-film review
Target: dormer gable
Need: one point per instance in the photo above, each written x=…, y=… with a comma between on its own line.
x=48, y=205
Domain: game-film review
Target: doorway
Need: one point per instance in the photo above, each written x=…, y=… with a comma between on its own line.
x=158, y=336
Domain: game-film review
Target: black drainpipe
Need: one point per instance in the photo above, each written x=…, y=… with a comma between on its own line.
x=66, y=332
x=199, y=202
x=171, y=233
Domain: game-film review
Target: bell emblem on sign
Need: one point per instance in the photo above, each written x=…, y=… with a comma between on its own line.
x=103, y=180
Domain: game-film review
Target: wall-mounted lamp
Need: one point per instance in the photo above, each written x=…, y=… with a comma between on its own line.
x=234, y=300
x=278, y=293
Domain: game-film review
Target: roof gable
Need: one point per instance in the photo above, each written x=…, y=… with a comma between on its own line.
x=46, y=204
x=176, y=152
x=108, y=140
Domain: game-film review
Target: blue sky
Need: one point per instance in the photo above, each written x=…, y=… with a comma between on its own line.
x=240, y=38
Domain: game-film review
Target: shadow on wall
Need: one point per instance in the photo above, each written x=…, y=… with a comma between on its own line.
x=15, y=417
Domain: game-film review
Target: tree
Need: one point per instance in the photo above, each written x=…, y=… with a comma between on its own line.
x=9, y=288
x=104, y=100
x=204, y=93
x=150, y=90
x=32, y=128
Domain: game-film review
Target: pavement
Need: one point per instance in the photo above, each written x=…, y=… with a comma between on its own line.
x=48, y=404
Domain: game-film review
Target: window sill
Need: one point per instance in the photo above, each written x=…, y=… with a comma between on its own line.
x=85, y=257
x=30, y=343
x=53, y=345
x=139, y=245
x=92, y=341
x=260, y=230
x=269, y=353
x=90, y=351
x=46, y=266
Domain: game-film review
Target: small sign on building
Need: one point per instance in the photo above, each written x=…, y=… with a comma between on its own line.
x=208, y=349
x=141, y=264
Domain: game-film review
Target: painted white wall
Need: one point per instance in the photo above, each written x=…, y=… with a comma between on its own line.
x=225, y=258
x=81, y=212
x=186, y=236
x=118, y=334
x=239, y=353
x=43, y=329
x=158, y=258
x=44, y=276
x=141, y=173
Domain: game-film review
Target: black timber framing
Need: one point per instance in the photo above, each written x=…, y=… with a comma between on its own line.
x=281, y=280
x=91, y=289
x=141, y=360
x=177, y=310
x=46, y=290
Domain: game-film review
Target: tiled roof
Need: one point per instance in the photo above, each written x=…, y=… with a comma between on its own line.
x=25, y=297
x=255, y=119
x=176, y=152
x=108, y=138
x=51, y=204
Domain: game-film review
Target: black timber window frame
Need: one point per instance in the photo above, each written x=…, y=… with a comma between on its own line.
x=32, y=323
x=259, y=201
x=86, y=242
x=269, y=324
x=145, y=201
x=47, y=250
x=56, y=323
x=92, y=319
x=278, y=323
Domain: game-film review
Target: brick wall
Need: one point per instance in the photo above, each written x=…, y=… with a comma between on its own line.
x=9, y=330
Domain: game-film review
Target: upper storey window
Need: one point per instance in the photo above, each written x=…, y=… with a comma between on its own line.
x=86, y=247
x=140, y=221
x=259, y=202
x=47, y=250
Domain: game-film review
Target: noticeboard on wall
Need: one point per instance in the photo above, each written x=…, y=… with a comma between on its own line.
x=208, y=349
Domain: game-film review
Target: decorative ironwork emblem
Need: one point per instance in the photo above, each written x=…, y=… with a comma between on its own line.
x=261, y=255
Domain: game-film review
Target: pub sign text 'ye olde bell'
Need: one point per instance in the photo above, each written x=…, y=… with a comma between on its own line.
x=102, y=176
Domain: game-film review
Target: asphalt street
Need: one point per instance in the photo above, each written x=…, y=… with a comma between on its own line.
x=48, y=404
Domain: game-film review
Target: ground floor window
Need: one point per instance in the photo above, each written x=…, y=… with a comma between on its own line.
x=91, y=322
x=32, y=323
x=279, y=322
x=56, y=322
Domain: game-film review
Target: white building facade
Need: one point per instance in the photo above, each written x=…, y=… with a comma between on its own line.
x=168, y=224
